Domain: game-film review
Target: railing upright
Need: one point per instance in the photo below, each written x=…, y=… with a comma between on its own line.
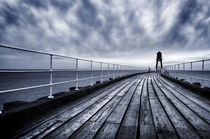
x=178, y=68
x=191, y=68
x=91, y=76
x=175, y=70
x=202, y=74
x=108, y=71
x=101, y=71
x=123, y=70
x=51, y=76
x=77, y=82
x=184, y=70
x=117, y=70
x=120, y=70
x=113, y=72
x=171, y=70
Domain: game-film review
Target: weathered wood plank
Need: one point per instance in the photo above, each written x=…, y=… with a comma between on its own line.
x=151, y=108
x=203, y=113
x=185, y=91
x=201, y=126
x=32, y=125
x=92, y=126
x=72, y=112
x=89, y=129
x=182, y=127
x=129, y=126
x=199, y=100
x=146, y=123
x=70, y=127
x=111, y=126
x=163, y=127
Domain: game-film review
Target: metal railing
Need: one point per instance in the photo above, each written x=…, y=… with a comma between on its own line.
x=112, y=70
x=194, y=71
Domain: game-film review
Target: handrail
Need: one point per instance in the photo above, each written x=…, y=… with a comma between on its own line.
x=53, y=54
x=113, y=70
x=189, y=62
x=175, y=69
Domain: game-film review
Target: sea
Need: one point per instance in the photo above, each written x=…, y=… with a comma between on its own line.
x=19, y=79
x=22, y=78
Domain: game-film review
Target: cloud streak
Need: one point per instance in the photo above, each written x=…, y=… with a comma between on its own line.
x=110, y=30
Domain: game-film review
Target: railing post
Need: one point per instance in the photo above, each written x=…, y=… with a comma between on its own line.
x=120, y=71
x=108, y=71
x=101, y=71
x=51, y=72
x=113, y=72
x=202, y=74
x=172, y=71
x=117, y=70
x=77, y=82
x=179, y=68
x=184, y=70
x=91, y=76
x=175, y=70
x=123, y=70
x=191, y=72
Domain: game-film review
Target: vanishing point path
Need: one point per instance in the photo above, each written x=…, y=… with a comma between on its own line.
x=144, y=106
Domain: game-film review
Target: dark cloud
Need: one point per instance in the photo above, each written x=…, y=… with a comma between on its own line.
x=189, y=11
x=10, y=15
x=62, y=6
x=36, y=3
x=87, y=14
x=106, y=28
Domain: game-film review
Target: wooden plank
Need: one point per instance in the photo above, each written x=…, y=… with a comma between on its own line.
x=186, y=91
x=203, y=113
x=199, y=100
x=75, y=110
x=70, y=127
x=92, y=126
x=182, y=127
x=129, y=126
x=60, y=110
x=146, y=123
x=108, y=131
x=111, y=126
x=89, y=129
x=118, y=113
x=201, y=126
x=163, y=127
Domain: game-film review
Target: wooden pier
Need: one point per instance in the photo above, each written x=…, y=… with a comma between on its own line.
x=144, y=106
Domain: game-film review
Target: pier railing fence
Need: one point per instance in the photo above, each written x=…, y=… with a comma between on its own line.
x=107, y=70
x=193, y=72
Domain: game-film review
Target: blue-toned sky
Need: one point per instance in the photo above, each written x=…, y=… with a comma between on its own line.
x=120, y=31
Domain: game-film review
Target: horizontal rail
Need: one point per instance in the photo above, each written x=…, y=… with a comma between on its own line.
x=187, y=62
x=44, y=71
x=53, y=54
x=46, y=85
x=112, y=70
x=175, y=69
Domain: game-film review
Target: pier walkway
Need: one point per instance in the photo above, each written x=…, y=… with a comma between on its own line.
x=144, y=106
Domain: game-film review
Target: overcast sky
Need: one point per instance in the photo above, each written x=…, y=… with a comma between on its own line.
x=120, y=31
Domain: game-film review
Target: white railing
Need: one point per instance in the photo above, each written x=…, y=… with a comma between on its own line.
x=112, y=70
x=194, y=70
